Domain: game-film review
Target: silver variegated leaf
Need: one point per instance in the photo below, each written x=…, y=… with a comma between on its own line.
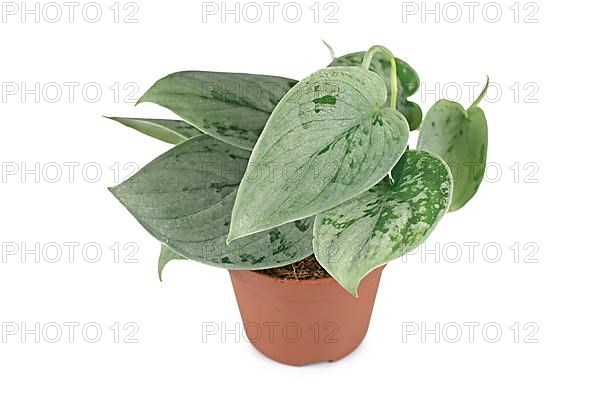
x=184, y=199
x=328, y=140
x=460, y=137
x=228, y=106
x=385, y=222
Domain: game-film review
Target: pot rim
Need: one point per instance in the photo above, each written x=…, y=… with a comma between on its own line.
x=295, y=281
x=317, y=281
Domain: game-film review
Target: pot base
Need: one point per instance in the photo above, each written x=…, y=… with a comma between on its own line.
x=299, y=322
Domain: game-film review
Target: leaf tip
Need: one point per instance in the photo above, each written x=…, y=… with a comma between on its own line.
x=350, y=286
x=114, y=190
x=230, y=238
x=141, y=99
x=117, y=119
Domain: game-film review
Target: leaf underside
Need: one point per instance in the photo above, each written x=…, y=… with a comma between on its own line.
x=328, y=140
x=167, y=130
x=385, y=222
x=184, y=199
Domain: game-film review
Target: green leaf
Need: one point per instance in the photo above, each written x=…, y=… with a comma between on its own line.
x=328, y=140
x=408, y=81
x=230, y=107
x=460, y=137
x=166, y=255
x=385, y=222
x=184, y=199
x=167, y=130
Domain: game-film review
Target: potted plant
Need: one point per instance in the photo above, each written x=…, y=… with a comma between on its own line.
x=303, y=190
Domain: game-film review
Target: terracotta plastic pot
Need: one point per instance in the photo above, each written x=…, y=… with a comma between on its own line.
x=300, y=322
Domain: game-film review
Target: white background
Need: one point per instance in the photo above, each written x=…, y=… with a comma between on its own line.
x=544, y=206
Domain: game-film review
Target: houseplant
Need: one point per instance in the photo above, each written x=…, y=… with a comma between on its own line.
x=268, y=171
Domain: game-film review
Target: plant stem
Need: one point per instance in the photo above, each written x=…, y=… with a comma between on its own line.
x=393, y=77
x=482, y=94
x=331, y=52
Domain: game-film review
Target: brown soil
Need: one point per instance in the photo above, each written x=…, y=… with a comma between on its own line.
x=308, y=268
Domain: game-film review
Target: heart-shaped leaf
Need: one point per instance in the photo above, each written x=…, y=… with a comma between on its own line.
x=184, y=199
x=385, y=222
x=230, y=107
x=329, y=139
x=167, y=130
x=408, y=81
x=460, y=137
x=166, y=255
